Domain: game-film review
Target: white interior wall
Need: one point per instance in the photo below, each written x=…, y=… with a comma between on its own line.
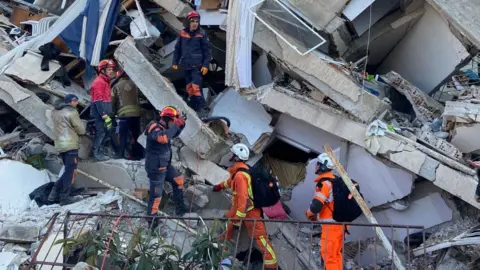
x=380, y=184
x=427, y=54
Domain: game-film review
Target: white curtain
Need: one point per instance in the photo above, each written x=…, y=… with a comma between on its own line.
x=240, y=27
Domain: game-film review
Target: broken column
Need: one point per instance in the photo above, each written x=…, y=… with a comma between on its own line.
x=160, y=92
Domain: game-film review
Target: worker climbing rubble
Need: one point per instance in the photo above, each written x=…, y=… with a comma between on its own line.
x=67, y=128
x=158, y=160
x=101, y=109
x=126, y=105
x=332, y=202
x=243, y=205
x=193, y=51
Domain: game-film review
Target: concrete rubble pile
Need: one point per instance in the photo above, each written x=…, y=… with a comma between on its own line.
x=367, y=90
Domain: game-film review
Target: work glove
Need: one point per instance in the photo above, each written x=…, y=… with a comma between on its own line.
x=108, y=123
x=217, y=188
x=310, y=216
x=179, y=122
x=204, y=70
x=175, y=67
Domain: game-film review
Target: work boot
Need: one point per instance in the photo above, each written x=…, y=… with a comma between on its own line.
x=153, y=223
x=98, y=156
x=66, y=198
x=54, y=195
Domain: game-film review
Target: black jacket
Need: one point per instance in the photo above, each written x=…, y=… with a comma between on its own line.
x=159, y=148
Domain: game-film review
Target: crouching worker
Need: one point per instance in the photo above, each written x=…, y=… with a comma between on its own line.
x=158, y=160
x=67, y=127
x=243, y=207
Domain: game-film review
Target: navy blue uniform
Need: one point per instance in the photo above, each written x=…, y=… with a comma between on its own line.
x=158, y=167
x=193, y=51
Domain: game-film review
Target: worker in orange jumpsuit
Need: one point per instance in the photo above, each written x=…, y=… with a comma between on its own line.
x=242, y=205
x=321, y=209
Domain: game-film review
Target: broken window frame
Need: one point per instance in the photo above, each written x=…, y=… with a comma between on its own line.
x=254, y=13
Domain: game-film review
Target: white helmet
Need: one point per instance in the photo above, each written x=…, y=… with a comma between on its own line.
x=241, y=151
x=324, y=157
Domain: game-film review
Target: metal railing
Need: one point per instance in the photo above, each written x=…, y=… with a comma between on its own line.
x=296, y=243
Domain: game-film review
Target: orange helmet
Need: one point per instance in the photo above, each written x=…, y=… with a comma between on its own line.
x=193, y=14
x=106, y=63
x=169, y=111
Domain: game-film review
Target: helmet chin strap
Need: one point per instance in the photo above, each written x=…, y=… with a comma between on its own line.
x=322, y=167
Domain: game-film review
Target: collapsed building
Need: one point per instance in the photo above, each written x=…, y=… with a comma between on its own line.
x=390, y=85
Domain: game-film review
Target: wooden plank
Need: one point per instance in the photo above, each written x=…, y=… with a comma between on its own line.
x=366, y=211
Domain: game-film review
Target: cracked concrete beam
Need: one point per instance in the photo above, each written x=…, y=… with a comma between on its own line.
x=204, y=168
x=398, y=151
x=323, y=76
x=172, y=21
x=160, y=92
x=176, y=7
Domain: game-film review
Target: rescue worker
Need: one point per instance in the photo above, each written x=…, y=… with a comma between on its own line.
x=243, y=207
x=321, y=209
x=67, y=127
x=158, y=160
x=193, y=49
x=101, y=106
x=126, y=105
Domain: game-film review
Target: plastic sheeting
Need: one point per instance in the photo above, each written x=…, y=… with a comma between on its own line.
x=240, y=27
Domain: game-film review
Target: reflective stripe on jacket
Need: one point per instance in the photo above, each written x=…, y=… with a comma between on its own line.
x=324, y=194
x=242, y=199
x=193, y=48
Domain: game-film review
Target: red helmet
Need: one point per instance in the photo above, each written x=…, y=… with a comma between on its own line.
x=106, y=63
x=193, y=14
x=169, y=111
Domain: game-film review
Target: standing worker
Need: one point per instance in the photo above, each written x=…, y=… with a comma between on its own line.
x=243, y=207
x=67, y=127
x=101, y=106
x=321, y=209
x=126, y=104
x=158, y=160
x=193, y=48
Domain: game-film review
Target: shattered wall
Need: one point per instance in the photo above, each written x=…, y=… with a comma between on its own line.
x=427, y=54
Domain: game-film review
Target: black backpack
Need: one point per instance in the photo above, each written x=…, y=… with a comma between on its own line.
x=264, y=187
x=345, y=209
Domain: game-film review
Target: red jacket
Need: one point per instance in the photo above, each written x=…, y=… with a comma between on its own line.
x=101, y=96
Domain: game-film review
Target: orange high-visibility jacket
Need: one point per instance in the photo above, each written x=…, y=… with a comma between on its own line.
x=324, y=195
x=240, y=183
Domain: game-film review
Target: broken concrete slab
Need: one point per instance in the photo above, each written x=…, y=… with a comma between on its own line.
x=160, y=92
x=325, y=77
x=408, y=156
x=172, y=21
x=196, y=195
x=19, y=234
x=318, y=13
x=121, y=173
x=9, y=260
x=55, y=87
x=465, y=138
x=204, y=168
x=462, y=112
x=176, y=7
x=426, y=108
x=27, y=104
x=27, y=69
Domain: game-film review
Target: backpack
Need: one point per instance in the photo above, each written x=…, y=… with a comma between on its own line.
x=345, y=209
x=264, y=187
